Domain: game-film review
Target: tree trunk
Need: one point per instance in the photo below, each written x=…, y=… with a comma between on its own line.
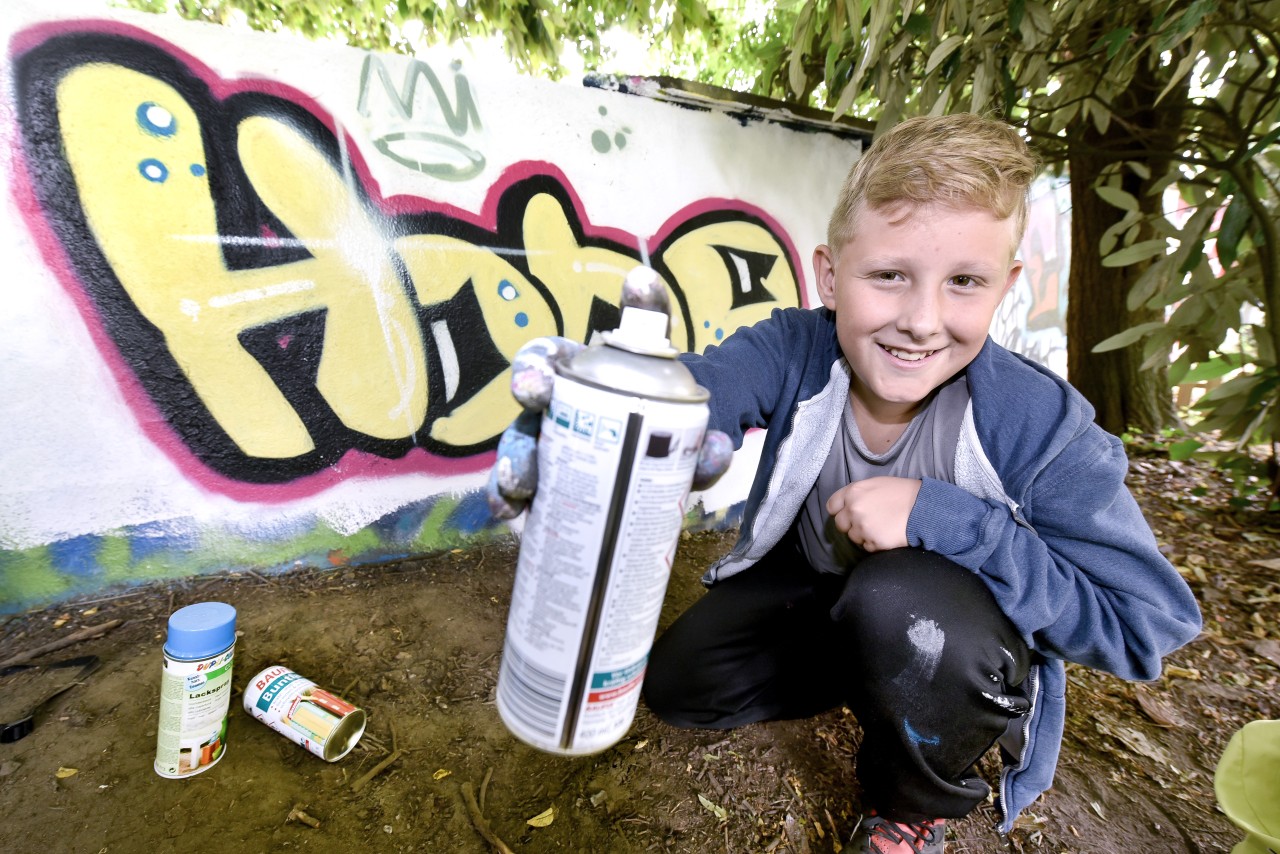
x=1124, y=396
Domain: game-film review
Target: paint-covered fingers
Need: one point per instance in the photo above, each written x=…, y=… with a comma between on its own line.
x=533, y=370
x=713, y=459
x=514, y=476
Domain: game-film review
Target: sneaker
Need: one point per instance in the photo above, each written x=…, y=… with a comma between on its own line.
x=878, y=835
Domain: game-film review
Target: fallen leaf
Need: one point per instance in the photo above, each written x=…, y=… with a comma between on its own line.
x=1136, y=741
x=1160, y=712
x=90, y=612
x=1272, y=563
x=721, y=812
x=64, y=773
x=1268, y=649
x=441, y=774
x=1141, y=745
x=1174, y=670
x=543, y=818
x=1097, y=807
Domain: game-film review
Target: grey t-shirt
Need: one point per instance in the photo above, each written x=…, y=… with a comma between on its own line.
x=927, y=448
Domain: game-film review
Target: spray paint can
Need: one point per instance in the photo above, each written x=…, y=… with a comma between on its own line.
x=195, y=689
x=616, y=457
x=306, y=714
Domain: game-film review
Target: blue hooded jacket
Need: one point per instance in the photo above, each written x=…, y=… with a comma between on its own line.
x=1039, y=510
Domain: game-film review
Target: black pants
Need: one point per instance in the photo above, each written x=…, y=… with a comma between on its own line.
x=913, y=644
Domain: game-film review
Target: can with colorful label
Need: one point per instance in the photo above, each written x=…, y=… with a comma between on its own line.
x=195, y=689
x=304, y=713
x=617, y=450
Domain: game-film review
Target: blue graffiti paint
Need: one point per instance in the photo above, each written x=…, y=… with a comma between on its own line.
x=472, y=515
x=153, y=170
x=156, y=120
x=153, y=538
x=917, y=738
x=77, y=556
x=403, y=524
x=197, y=170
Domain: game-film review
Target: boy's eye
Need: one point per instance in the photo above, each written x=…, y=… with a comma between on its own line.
x=964, y=281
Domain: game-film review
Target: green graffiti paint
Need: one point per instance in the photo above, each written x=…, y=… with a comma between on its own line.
x=29, y=576
x=434, y=535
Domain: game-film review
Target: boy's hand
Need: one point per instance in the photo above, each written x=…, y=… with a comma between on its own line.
x=873, y=513
x=514, y=477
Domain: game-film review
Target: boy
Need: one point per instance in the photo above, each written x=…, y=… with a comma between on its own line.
x=936, y=524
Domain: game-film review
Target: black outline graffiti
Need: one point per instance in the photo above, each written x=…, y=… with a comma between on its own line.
x=239, y=211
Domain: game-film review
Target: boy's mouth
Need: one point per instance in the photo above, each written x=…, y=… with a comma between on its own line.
x=908, y=355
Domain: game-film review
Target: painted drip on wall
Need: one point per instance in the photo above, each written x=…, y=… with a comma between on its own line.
x=262, y=293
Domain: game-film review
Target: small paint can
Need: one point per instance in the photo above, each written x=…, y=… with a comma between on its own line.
x=195, y=689
x=304, y=713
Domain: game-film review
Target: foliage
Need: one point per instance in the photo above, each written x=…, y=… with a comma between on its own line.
x=535, y=32
x=1190, y=89
x=1169, y=109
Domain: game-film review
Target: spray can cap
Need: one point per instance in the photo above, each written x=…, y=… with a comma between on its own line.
x=641, y=330
x=646, y=315
x=201, y=630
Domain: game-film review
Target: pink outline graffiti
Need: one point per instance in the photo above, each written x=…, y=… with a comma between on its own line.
x=354, y=463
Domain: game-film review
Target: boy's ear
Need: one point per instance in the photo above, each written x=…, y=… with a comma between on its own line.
x=824, y=275
x=1015, y=269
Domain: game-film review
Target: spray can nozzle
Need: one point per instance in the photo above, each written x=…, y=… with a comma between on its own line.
x=646, y=315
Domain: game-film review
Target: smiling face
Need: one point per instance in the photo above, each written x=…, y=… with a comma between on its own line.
x=914, y=291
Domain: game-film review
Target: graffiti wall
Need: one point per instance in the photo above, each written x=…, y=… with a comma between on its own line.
x=260, y=295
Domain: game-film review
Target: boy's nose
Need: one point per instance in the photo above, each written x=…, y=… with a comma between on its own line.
x=921, y=314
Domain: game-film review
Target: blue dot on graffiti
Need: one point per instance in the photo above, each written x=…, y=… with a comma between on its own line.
x=197, y=170
x=719, y=334
x=154, y=170
x=706, y=324
x=155, y=119
x=507, y=291
x=522, y=319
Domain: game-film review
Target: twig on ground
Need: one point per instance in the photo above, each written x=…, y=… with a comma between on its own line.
x=484, y=787
x=298, y=814
x=477, y=818
x=375, y=771
x=87, y=633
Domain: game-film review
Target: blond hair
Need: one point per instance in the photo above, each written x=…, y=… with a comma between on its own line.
x=958, y=161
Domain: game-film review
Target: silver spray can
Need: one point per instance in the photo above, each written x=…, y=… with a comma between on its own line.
x=616, y=457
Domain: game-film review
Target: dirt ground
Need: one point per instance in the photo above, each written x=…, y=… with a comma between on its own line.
x=417, y=644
